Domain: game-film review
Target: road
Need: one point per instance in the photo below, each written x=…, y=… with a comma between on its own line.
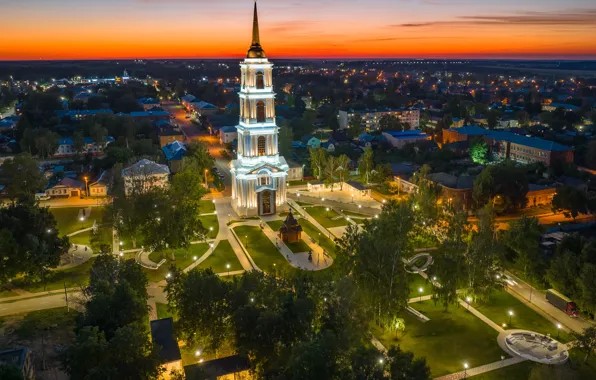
x=190, y=130
x=538, y=299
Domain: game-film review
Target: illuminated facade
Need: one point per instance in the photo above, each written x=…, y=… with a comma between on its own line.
x=259, y=173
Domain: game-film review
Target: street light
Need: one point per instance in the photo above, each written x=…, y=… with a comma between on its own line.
x=510, y=315
x=420, y=290
x=228, y=268
x=468, y=300
x=558, y=330
x=327, y=209
x=121, y=243
x=246, y=240
x=465, y=370
x=168, y=275
x=381, y=361
x=82, y=219
x=197, y=353
x=194, y=258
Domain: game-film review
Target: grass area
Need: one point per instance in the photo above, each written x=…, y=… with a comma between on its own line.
x=35, y=322
x=162, y=310
x=447, y=341
x=523, y=317
x=68, y=219
x=357, y=214
x=326, y=219
x=223, y=255
x=71, y=277
x=584, y=371
x=297, y=183
x=300, y=203
x=275, y=224
x=261, y=249
x=416, y=282
x=211, y=223
x=327, y=244
x=520, y=371
x=83, y=238
x=183, y=258
x=206, y=206
x=7, y=293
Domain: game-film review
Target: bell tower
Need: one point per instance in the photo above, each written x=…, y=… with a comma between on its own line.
x=258, y=173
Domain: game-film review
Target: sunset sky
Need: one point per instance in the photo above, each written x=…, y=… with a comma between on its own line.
x=97, y=29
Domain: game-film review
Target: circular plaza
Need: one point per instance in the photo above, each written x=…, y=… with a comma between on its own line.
x=533, y=346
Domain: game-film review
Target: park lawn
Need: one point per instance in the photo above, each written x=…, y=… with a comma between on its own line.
x=327, y=244
x=7, y=293
x=223, y=255
x=210, y=221
x=416, y=282
x=304, y=204
x=184, y=257
x=162, y=310
x=298, y=247
x=357, y=215
x=519, y=371
x=261, y=249
x=81, y=239
x=206, y=206
x=68, y=221
x=84, y=238
x=499, y=304
x=585, y=371
x=72, y=277
x=275, y=224
x=35, y=322
x=326, y=219
x=447, y=341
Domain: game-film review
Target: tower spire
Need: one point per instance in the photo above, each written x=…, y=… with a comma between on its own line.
x=255, y=51
x=255, y=27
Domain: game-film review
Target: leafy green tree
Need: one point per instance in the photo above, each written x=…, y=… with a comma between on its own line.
x=199, y=153
x=390, y=123
x=571, y=201
x=590, y=157
x=587, y=287
x=492, y=118
x=330, y=171
x=343, y=169
x=318, y=160
x=78, y=141
x=10, y=372
x=402, y=365
x=479, y=151
x=504, y=185
x=355, y=126
x=523, y=238
x=483, y=256
x=201, y=301
x=46, y=142
x=23, y=177
x=523, y=118
x=373, y=255
x=586, y=341
x=285, y=138
x=29, y=241
x=366, y=164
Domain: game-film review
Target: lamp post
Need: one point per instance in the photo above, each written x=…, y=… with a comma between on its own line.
x=86, y=185
x=558, y=330
x=206, y=184
x=228, y=268
x=82, y=219
x=420, y=290
x=319, y=238
x=465, y=370
x=510, y=315
x=468, y=300
x=327, y=210
x=246, y=241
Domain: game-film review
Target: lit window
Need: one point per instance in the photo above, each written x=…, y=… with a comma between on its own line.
x=261, y=145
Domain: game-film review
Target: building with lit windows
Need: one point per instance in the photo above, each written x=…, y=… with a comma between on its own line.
x=371, y=118
x=259, y=172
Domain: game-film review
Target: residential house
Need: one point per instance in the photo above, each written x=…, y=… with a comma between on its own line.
x=144, y=175
x=148, y=115
x=21, y=359
x=66, y=188
x=540, y=195
x=174, y=152
x=454, y=189
x=168, y=133
x=186, y=101
x=162, y=335
x=311, y=142
x=66, y=147
x=227, y=134
x=371, y=118
x=400, y=139
x=149, y=103
x=81, y=114
x=8, y=123
x=203, y=108
x=295, y=172
x=101, y=186
x=83, y=97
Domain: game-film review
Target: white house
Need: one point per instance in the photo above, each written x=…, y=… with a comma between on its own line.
x=66, y=147
x=144, y=175
x=228, y=134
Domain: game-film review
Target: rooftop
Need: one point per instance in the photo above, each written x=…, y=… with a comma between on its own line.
x=162, y=334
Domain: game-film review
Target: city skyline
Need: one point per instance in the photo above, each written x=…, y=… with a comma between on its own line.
x=155, y=29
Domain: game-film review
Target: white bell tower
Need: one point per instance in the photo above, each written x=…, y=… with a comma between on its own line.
x=258, y=173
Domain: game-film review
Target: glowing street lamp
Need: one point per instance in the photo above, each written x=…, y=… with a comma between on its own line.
x=327, y=209
x=510, y=315
x=194, y=258
x=558, y=330
x=468, y=300
x=465, y=370
x=228, y=268
x=420, y=290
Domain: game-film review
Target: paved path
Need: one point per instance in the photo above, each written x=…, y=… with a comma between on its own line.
x=420, y=299
x=226, y=212
x=522, y=290
x=481, y=316
x=39, y=302
x=368, y=206
x=307, y=216
x=481, y=369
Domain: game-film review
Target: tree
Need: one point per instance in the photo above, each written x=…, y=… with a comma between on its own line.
x=590, y=158
x=373, y=255
x=199, y=153
x=571, y=201
x=587, y=287
x=492, y=119
x=390, y=123
x=343, y=169
x=504, y=185
x=523, y=238
x=402, y=365
x=201, y=301
x=78, y=141
x=23, y=176
x=366, y=164
x=586, y=341
x=355, y=126
x=318, y=159
x=523, y=118
x=10, y=372
x=479, y=151
x=285, y=138
x=46, y=142
x=29, y=241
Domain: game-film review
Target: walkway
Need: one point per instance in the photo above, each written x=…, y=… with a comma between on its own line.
x=226, y=213
x=481, y=369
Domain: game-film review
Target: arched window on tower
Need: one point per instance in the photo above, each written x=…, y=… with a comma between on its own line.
x=260, y=112
x=261, y=146
x=260, y=80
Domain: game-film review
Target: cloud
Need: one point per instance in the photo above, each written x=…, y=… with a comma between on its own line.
x=579, y=17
